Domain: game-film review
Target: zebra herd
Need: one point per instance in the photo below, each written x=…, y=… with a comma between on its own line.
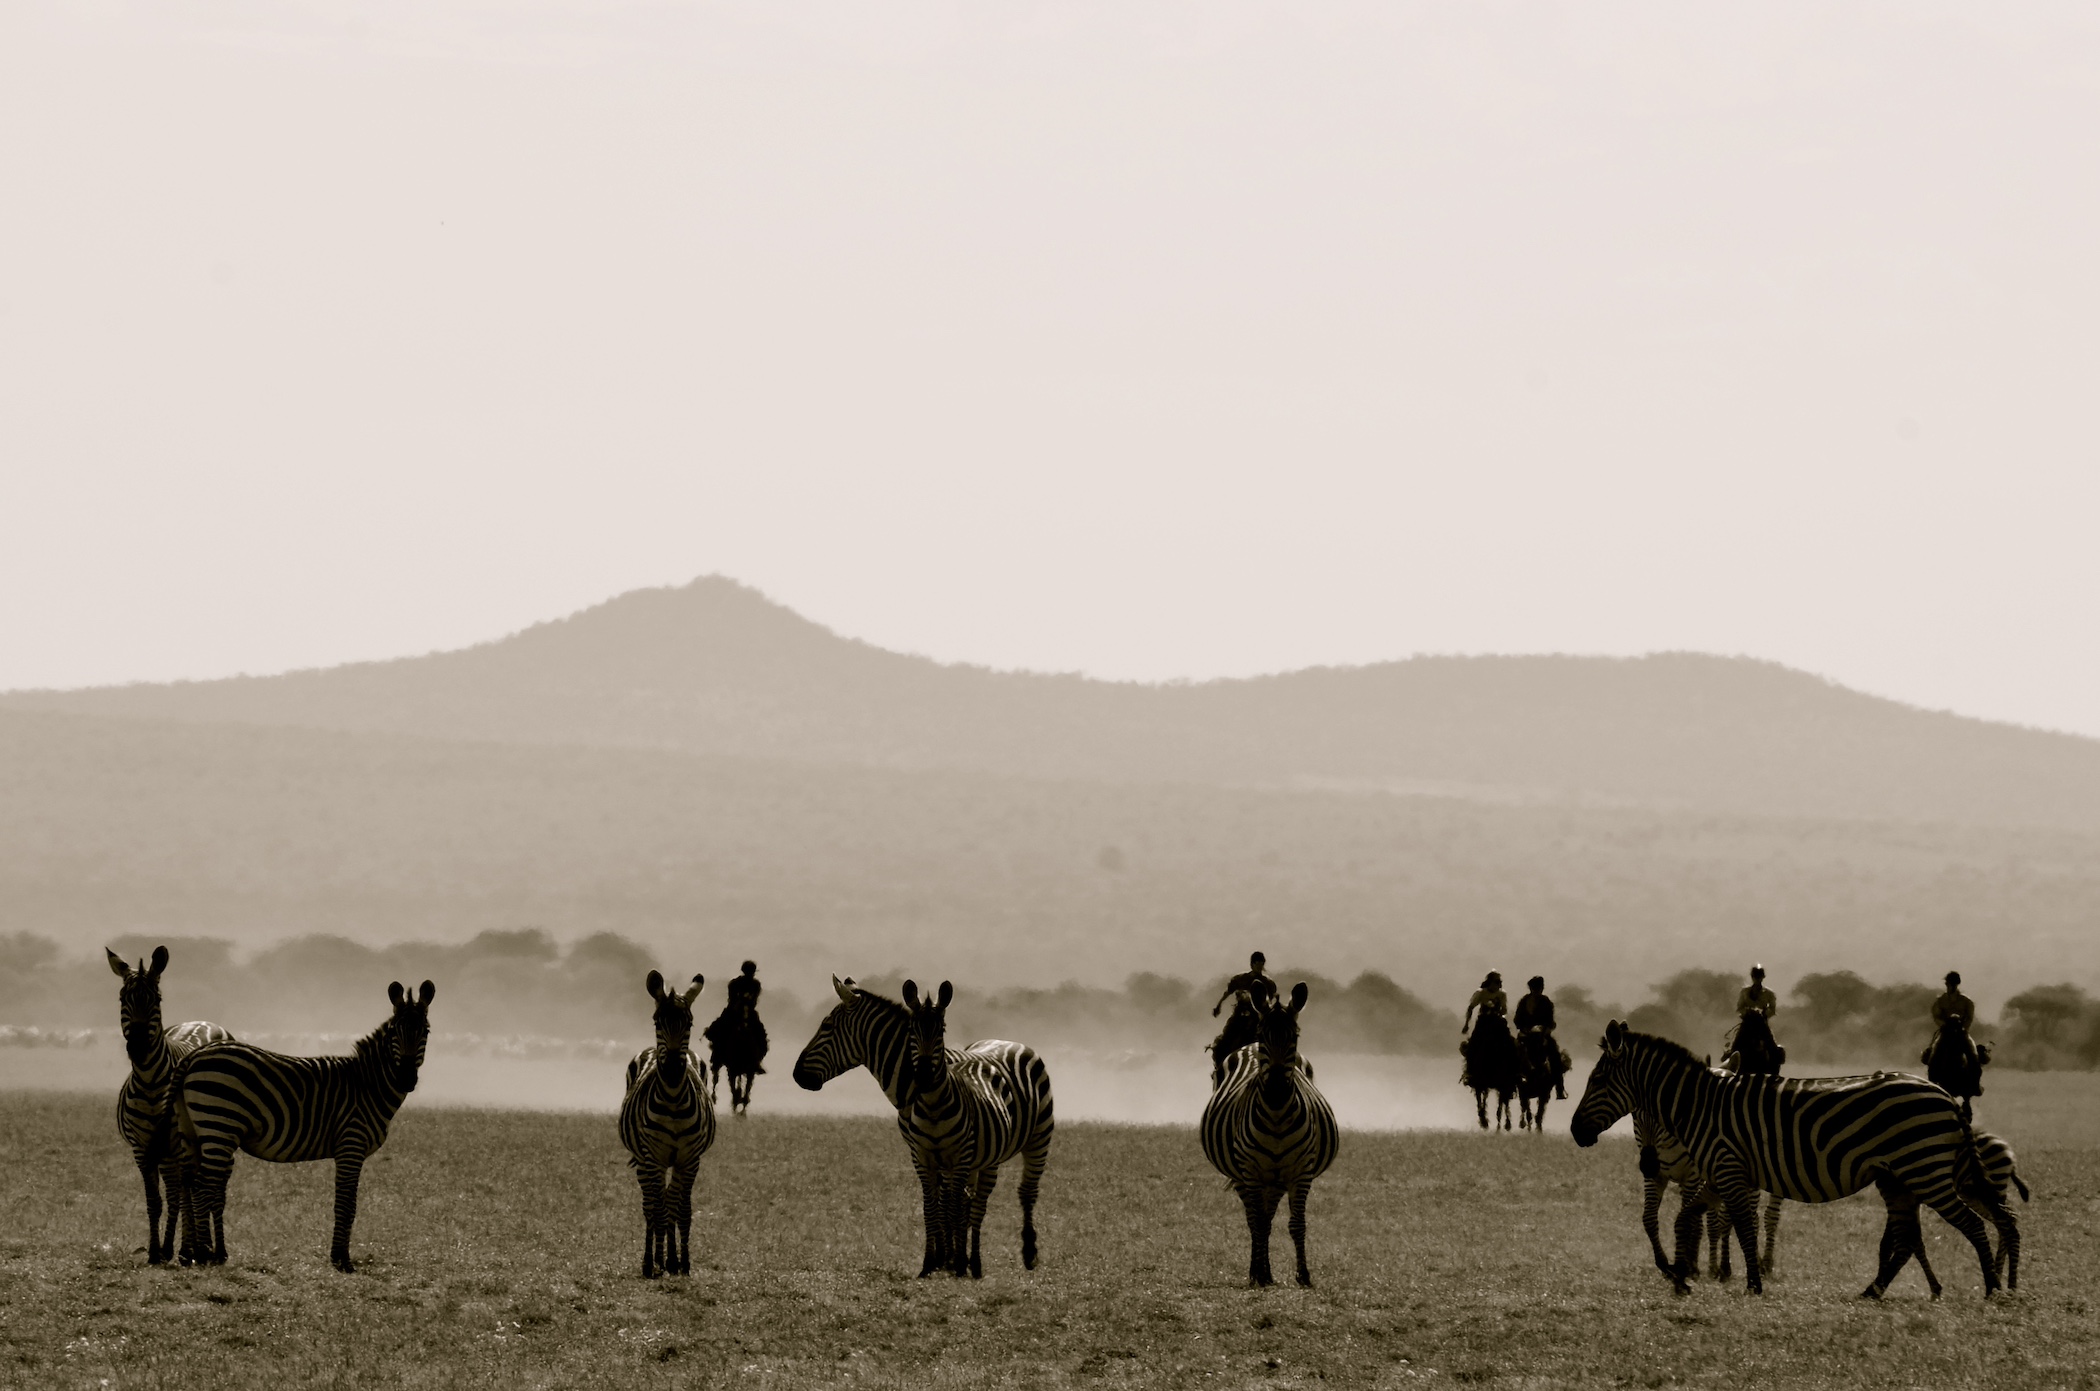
x=196, y=1094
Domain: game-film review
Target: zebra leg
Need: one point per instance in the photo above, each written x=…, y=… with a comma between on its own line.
x=1651, y=1223
x=1720, y=1259
x=930, y=1198
x=1261, y=1211
x=150, y=1172
x=1691, y=1212
x=1300, y=1191
x=1730, y=1182
x=348, y=1167
x=1963, y=1218
x=955, y=1222
x=680, y=1233
x=1771, y=1252
x=173, y=1180
x=206, y=1205
x=1033, y=1159
x=1900, y=1239
x=980, y=1199
x=650, y=1175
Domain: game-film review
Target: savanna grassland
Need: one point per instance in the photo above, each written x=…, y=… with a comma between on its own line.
x=502, y=1249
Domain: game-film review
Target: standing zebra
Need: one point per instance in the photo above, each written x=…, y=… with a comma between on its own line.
x=1812, y=1140
x=962, y=1113
x=144, y=1117
x=288, y=1110
x=667, y=1122
x=1663, y=1162
x=1269, y=1131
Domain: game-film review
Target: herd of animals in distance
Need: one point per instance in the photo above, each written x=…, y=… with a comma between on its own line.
x=196, y=1095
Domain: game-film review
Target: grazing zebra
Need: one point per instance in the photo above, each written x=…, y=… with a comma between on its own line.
x=1663, y=1162
x=144, y=1117
x=962, y=1113
x=1812, y=1140
x=667, y=1122
x=1269, y=1131
x=288, y=1110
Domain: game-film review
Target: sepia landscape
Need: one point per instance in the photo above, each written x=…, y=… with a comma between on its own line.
x=710, y=694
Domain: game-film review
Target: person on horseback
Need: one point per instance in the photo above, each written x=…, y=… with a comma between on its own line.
x=1489, y=998
x=1257, y=993
x=1751, y=1046
x=737, y=1038
x=1535, y=1011
x=1952, y=1005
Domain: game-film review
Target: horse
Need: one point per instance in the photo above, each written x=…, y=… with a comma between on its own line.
x=1538, y=1072
x=1491, y=1066
x=1954, y=1063
x=736, y=1044
x=1753, y=1051
x=1242, y=1027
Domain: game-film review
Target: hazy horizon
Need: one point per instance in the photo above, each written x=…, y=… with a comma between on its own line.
x=1149, y=341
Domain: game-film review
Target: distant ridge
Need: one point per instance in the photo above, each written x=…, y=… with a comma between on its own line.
x=715, y=667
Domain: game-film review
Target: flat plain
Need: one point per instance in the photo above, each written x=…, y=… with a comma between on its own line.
x=502, y=1249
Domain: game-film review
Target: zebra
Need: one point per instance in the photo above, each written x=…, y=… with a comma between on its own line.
x=667, y=1121
x=1812, y=1140
x=1663, y=1161
x=962, y=1113
x=2000, y=1170
x=144, y=1119
x=288, y=1110
x=1270, y=1132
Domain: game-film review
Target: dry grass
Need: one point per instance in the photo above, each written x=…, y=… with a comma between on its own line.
x=502, y=1249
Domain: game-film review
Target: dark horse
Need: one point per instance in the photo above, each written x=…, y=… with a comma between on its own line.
x=1954, y=1063
x=1242, y=1027
x=1538, y=1068
x=1491, y=1066
x=736, y=1043
x=1754, y=1052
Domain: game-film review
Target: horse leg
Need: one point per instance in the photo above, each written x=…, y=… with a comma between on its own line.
x=1480, y=1101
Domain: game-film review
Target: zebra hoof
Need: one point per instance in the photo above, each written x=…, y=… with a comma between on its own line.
x=1305, y=1278
x=344, y=1264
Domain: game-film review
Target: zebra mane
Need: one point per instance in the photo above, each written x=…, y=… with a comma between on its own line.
x=1668, y=1048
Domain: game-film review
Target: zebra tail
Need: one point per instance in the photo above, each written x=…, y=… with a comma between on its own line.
x=2020, y=1184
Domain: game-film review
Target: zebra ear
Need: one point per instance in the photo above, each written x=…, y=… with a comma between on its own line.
x=844, y=987
x=427, y=993
x=118, y=964
x=656, y=985
x=911, y=993
x=1298, y=994
x=395, y=993
x=1614, y=1036
x=160, y=961
x=947, y=994
x=687, y=998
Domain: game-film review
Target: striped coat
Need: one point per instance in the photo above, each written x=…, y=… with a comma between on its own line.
x=962, y=1113
x=1270, y=1132
x=1812, y=1140
x=145, y=1117
x=234, y=1096
x=1664, y=1161
x=667, y=1121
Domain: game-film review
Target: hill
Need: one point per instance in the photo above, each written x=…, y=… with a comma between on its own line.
x=114, y=826
x=714, y=668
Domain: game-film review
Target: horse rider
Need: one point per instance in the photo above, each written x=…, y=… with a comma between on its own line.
x=1488, y=999
x=1754, y=997
x=743, y=999
x=1950, y=1006
x=1535, y=1011
x=1240, y=1029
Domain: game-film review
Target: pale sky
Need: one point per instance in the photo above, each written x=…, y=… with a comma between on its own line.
x=1145, y=339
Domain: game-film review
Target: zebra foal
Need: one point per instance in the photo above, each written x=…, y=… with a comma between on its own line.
x=1809, y=1139
x=145, y=1118
x=667, y=1121
x=235, y=1096
x=1663, y=1161
x=962, y=1113
x=1269, y=1131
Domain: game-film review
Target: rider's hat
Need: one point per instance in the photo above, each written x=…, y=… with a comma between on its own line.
x=1758, y=969
x=749, y=967
x=1954, y=978
x=1494, y=979
x=1257, y=960
x=1536, y=982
